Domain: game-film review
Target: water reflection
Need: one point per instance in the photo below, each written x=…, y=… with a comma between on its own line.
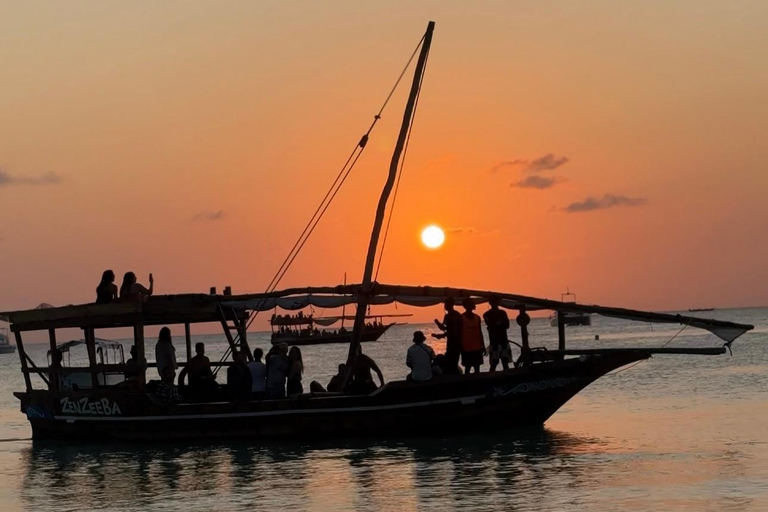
x=400, y=474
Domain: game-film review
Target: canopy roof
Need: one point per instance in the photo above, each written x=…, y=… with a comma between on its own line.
x=175, y=309
x=424, y=296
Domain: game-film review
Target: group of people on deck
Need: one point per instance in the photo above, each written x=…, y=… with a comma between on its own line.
x=130, y=290
x=276, y=377
x=279, y=374
x=465, y=343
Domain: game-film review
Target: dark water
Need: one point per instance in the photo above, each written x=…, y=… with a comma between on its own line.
x=672, y=433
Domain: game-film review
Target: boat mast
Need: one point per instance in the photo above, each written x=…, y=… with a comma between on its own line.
x=362, y=301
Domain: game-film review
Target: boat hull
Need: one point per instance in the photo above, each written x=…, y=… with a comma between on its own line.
x=474, y=403
x=369, y=334
x=572, y=319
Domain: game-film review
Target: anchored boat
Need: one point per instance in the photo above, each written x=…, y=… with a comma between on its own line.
x=570, y=317
x=302, y=329
x=103, y=407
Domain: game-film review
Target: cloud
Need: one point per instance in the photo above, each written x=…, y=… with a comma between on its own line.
x=548, y=162
x=460, y=231
x=602, y=203
x=509, y=163
x=470, y=231
x=538, y=182
x=49, y=178
x=203, y=216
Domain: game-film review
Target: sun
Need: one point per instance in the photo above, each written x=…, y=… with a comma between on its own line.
x=432, y=236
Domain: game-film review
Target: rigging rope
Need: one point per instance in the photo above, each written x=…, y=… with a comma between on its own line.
x=643, y=360
x=341, y=177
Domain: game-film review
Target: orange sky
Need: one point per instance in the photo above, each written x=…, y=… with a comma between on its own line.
x=126, y=126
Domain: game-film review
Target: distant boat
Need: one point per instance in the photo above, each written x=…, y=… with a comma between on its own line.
x=695, y=310
x=570, y=317
x=301, y=329
x=5, y=343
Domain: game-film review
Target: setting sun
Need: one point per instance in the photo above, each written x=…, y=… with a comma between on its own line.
x=433, y=237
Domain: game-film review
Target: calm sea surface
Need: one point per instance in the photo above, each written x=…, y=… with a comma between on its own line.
x=672, y=433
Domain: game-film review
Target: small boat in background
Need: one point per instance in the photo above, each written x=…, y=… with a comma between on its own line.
x=697, y=310
x=302, y=329
x=570, y=317
x=5, y=343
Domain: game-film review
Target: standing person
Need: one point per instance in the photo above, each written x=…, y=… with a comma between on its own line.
x=277, y=371
x=497, y=322
x=451, y=327
x=106, y=292
x=295, y=371
x=130, y=290
x=472, y=342
x=258, y=372
x=419, y=358
x=200, y=378
x=54, y=376
x=165, y=352
x=239, y=377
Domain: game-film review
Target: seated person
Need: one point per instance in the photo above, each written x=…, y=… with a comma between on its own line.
x=106, y=292
x=419, y=359
x=335, y=385
x=166, y=391
x=361, y=380
x=131, y=290
x=132, y=366
x=239, y=378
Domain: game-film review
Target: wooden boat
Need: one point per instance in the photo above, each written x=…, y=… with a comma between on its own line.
x=527, y=395
x=541, y=382
x=569, y=317
x=301, y=330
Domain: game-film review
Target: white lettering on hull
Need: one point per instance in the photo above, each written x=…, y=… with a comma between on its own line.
x=85, y=406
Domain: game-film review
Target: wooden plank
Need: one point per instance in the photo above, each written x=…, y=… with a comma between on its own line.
x=707, y=351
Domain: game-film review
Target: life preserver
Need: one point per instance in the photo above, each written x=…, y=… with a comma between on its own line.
x=471, y=335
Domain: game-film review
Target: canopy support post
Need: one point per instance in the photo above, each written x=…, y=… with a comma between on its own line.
x=138, y=340
x=188, y=340
x=54, y=375
x=523, y=320
x=23, y=357
x=560, y=330
x=90, y=345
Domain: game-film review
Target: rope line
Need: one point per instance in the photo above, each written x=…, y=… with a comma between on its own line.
x=644, y=360
x=333, y=190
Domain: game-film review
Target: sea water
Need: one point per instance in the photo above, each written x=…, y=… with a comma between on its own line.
x=670, y=433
